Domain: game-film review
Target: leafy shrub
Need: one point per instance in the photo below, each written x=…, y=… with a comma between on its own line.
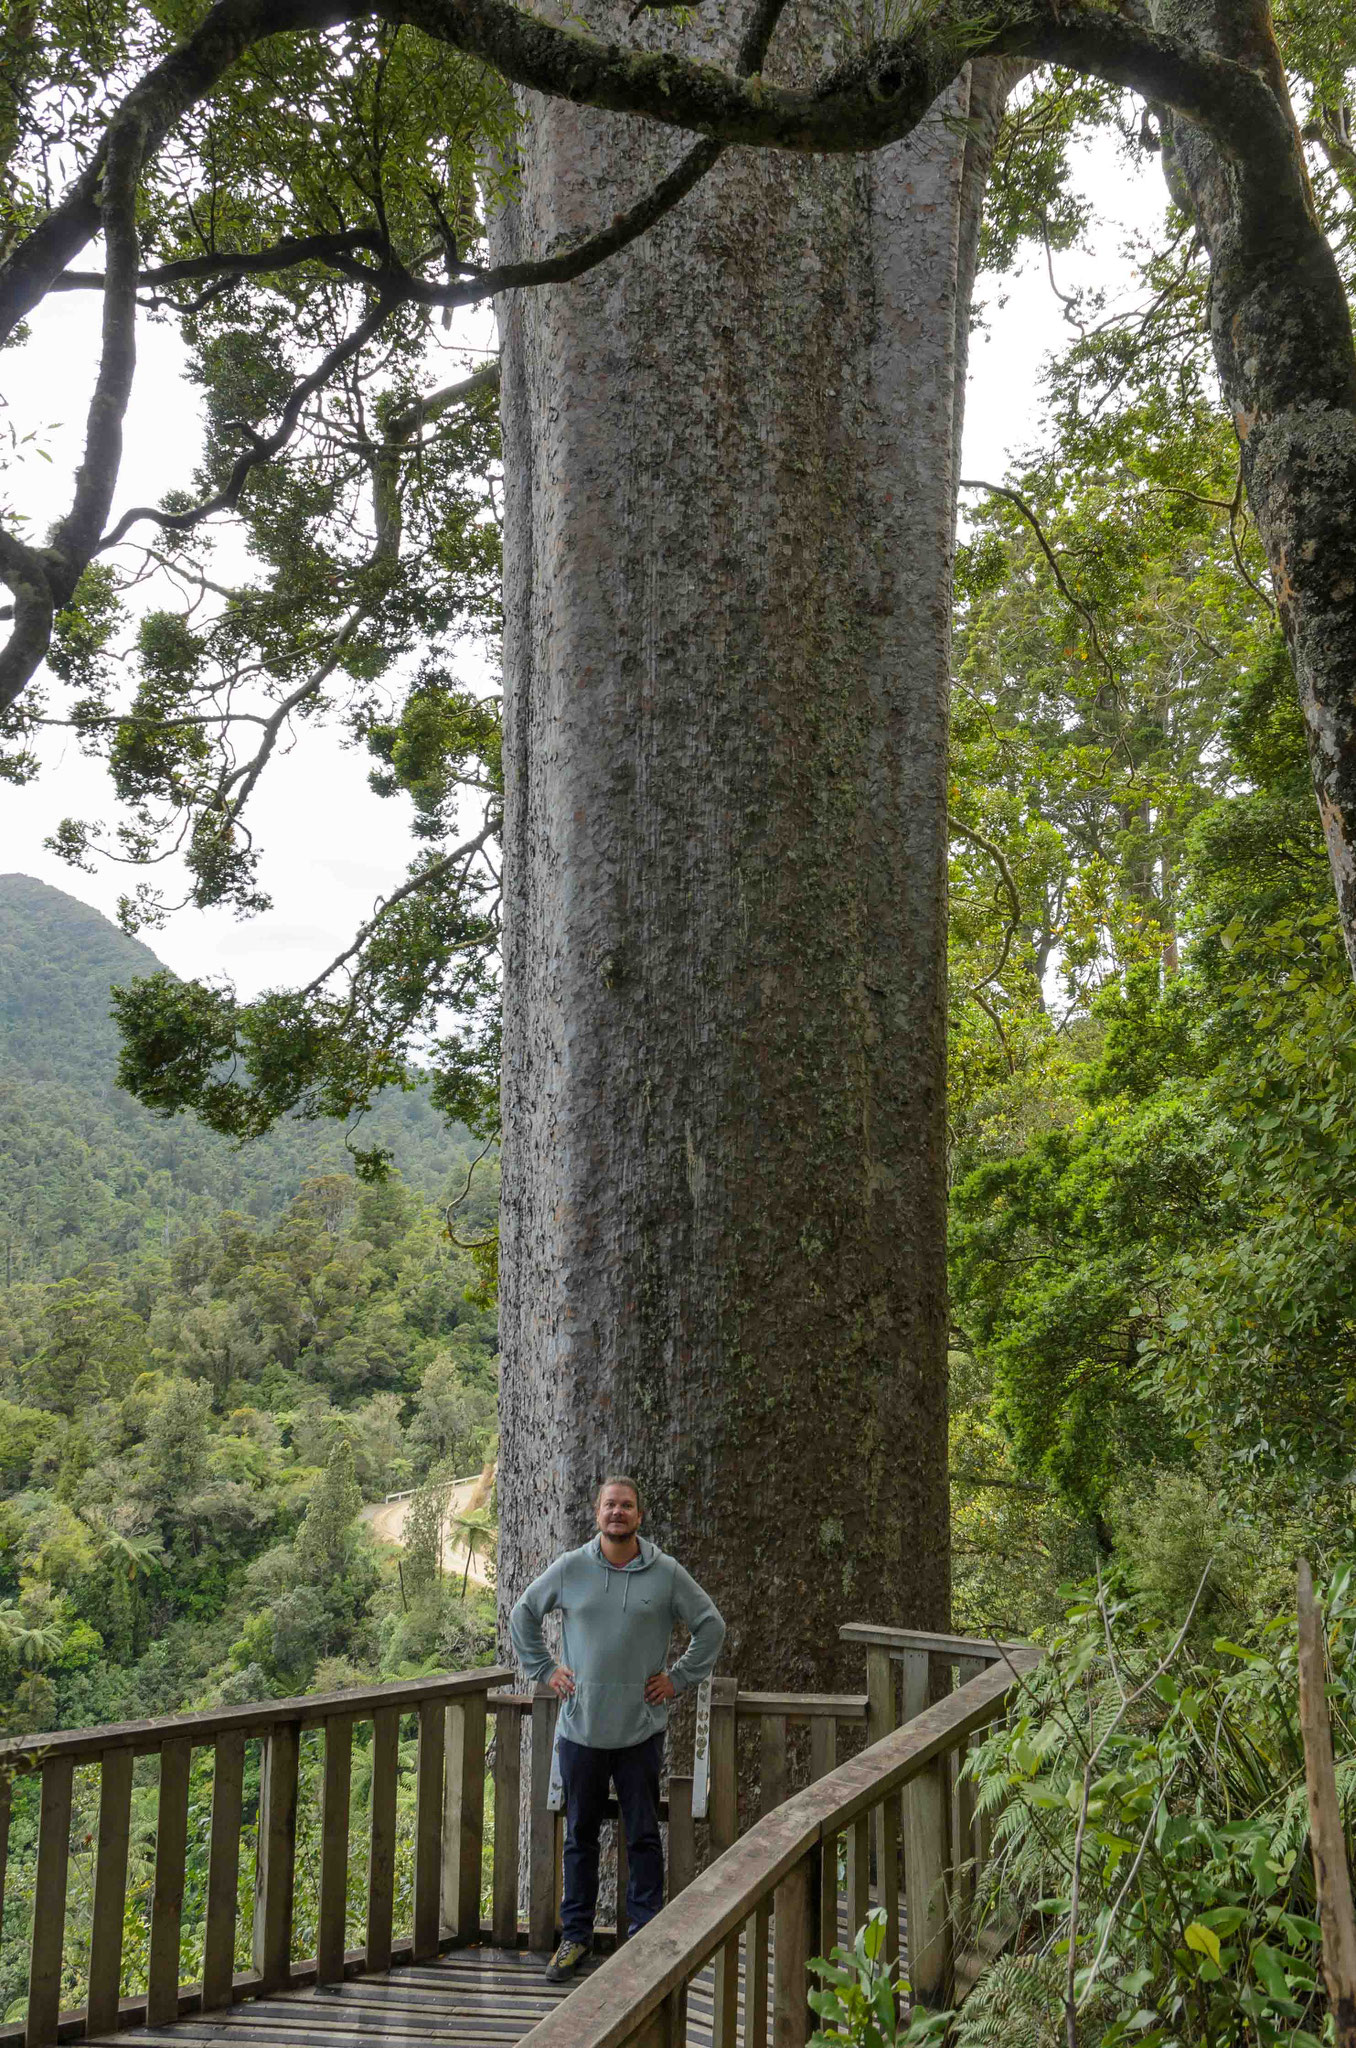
x=863, y=2002
x=1151, y=1833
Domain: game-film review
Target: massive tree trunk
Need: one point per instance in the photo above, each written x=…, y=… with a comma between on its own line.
x=731, y=459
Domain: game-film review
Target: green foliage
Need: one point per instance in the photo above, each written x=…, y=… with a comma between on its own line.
x=1151, y=1830
x=327, y=1527
x=1151, y=1014
x=864, y=2003
x=370, y=538
x=191, y=1419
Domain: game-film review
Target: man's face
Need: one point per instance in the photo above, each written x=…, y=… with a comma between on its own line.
x=618, y=1516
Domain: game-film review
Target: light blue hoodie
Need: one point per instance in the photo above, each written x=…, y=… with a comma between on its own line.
x=616, y=1621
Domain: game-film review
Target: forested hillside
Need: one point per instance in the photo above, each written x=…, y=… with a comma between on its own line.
x=210, y=1356
x=90, y=1171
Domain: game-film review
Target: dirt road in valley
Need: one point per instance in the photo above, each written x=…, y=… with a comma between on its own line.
x=386, y=1520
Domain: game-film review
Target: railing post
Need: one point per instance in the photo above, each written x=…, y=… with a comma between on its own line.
x=880, y=1693
x=858, y=1873
x=623, y=1880
x=110, y=1891
x=276, y=1865
x=757, y=1948
x=49, y=1903
x=917, y=1673
x=428, y=1831
x=223, y=1871
x=167, y=1899
x=771, y=1761
x=963, y=1831
x=725, y=2020
x=724, y=1808
x=887, y=1865
x=381, y=1844
x=464, y=1817
x=882, y=1718
x=682, y=1842
x=541, y=1860
x=823, y=1757
x=334, y=1833
x=926, y=1850
x=508, y=1770
x=927, y=1868
x=792, y=1908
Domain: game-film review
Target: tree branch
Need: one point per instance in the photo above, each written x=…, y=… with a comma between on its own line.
x=232, y=804
x=424, y=880
x=877, y=98
x=151, y=110
x=265, y=446
x=96, y=479
x=434, y=404
x=225, y=263
x=997, y=856
x=1085, y=612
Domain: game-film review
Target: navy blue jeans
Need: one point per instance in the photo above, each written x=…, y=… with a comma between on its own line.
x=586, y=1774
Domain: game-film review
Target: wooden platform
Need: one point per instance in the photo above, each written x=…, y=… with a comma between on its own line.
x=470, y=1998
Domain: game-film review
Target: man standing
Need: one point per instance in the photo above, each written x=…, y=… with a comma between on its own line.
x=618, y=1598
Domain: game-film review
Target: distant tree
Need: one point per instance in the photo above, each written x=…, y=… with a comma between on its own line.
x=23, y=1432
x=377, y=1438
x=452, y=1422
x=322, y=1539
x=174, y=1456
x=92, y=1347
x=425, y=1533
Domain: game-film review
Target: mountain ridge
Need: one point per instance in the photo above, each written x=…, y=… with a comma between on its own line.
x=86, y=1171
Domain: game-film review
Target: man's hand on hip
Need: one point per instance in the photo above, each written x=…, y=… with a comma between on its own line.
x=561, y=1681
x=660, y=1689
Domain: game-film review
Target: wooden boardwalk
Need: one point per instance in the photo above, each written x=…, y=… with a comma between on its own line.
x=898, y=1807
x=469, y=1998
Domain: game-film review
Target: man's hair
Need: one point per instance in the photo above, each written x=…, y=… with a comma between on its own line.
x=618, y=1479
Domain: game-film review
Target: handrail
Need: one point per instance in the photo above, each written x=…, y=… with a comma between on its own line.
x=432, y=1867
x=803, y=1706
x=445, y=1852
x=255, y=1718
x=905, y=1641
x=635, y=1997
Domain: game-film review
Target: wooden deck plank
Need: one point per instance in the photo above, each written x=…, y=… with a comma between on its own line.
x=474, y=1997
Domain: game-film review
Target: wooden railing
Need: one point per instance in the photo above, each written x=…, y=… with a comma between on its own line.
x=945, y=1842
x=770, y=1901
x=446, y=1825
x=442, y=1887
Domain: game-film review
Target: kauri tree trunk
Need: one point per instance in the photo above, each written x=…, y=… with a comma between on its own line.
x=730, y=463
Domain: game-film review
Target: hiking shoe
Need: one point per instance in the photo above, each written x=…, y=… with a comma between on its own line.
x=566, y=1961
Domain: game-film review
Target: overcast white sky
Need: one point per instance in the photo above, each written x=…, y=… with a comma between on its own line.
x=331, y=847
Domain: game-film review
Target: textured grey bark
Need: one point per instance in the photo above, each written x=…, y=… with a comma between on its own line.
x=1281, y=332
x=731, y=459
